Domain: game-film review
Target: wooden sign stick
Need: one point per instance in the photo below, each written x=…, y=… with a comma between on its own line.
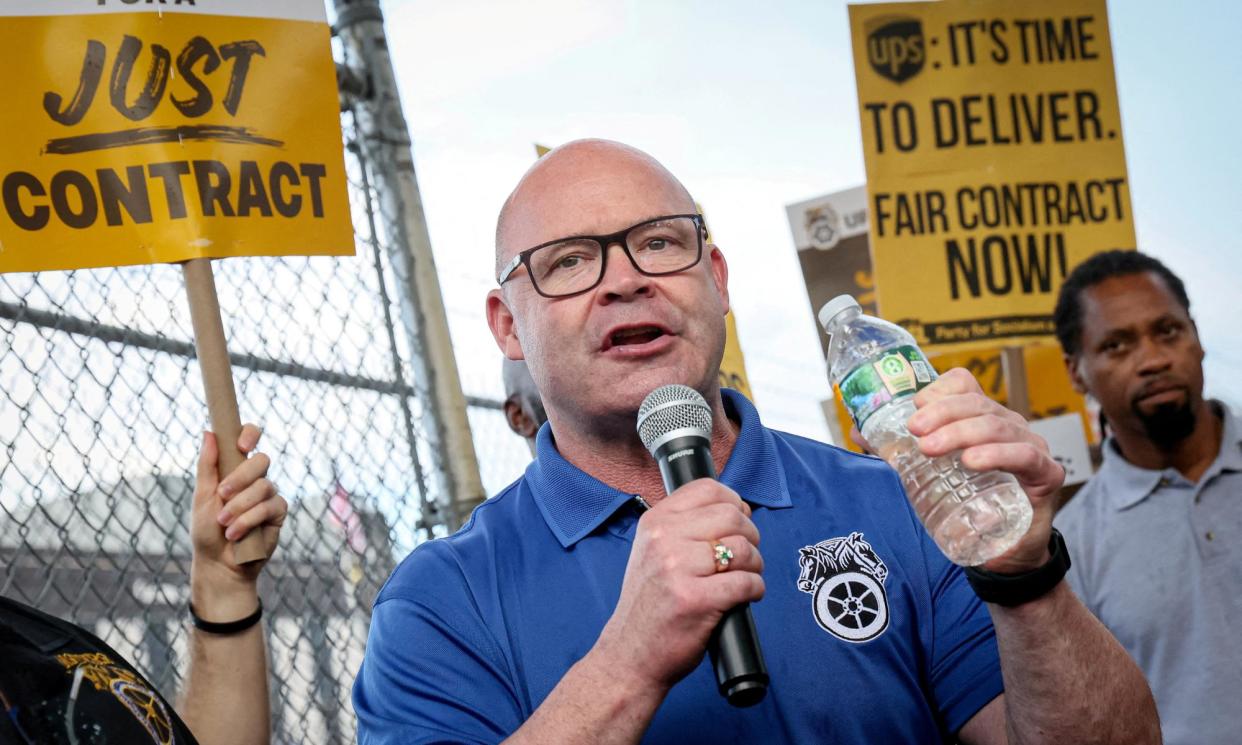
x=213, y=360
x=1013, y=367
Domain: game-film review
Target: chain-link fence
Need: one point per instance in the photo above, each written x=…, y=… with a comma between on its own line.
x=101, y=414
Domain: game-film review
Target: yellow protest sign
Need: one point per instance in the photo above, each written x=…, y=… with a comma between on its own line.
x=160, y=132
x=995, y=164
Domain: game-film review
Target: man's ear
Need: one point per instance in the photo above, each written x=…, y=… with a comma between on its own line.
x=504, y=330
x=1071, y=366
x=519, y=422
x=720, y=274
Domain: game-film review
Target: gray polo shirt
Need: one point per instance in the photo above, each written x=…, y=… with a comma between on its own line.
x=1158, y=560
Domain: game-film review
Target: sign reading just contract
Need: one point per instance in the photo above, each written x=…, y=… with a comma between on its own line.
x=164, y=131
x=995, y=164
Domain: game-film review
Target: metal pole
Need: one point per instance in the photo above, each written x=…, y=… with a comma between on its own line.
x=430, y=515
x=384, y=137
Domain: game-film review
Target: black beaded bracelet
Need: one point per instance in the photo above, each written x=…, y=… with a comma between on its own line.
x=230, y=627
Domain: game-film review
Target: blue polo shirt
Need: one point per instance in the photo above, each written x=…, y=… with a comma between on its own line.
x=870, y=634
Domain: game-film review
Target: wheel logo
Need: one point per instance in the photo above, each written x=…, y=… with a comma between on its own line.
x=852, y=606
x=845, y=578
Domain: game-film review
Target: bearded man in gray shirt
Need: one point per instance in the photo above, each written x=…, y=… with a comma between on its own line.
x=1157, y=532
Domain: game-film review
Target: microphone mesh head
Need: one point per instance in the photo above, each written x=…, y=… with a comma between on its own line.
x=670, y=408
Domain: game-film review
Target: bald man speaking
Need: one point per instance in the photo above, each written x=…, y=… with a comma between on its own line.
x=566, y=613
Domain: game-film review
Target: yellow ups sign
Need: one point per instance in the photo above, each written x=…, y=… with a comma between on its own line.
x=992, y=141
x=141, y=131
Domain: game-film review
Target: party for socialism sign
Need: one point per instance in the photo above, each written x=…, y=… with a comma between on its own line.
x=992, y=140
x=142, y=131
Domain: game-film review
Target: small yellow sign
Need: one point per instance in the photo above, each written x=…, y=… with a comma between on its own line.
x=733, y=365
x=992, y=141
x=143, y=134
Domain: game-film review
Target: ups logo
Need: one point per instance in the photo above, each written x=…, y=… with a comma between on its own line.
x=895, y=47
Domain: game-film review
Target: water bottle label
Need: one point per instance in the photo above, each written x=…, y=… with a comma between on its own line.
x=901, y=372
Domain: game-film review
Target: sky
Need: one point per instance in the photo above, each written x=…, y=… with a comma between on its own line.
x=753, y=105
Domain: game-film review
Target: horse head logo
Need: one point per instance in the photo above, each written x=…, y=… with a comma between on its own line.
x=837, y=555
x=845, y=576
x=866, y=558
x=811, y=575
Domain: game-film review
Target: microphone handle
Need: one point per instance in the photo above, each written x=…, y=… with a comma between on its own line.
x=741, y=674
x=684, y=459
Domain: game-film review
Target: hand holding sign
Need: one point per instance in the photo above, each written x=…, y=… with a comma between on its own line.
x=213, y=357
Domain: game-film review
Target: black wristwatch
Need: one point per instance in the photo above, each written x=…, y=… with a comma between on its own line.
x=1016, y=589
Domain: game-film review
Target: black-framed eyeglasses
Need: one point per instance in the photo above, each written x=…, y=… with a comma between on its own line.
x=568, y=266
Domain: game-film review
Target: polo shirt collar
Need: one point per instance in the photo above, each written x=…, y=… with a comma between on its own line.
x=1130, y=484
x=574, y=503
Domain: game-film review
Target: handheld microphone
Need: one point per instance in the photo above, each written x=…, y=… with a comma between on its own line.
x=675, y=425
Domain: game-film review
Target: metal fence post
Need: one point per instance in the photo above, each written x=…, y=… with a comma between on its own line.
x=384, y=137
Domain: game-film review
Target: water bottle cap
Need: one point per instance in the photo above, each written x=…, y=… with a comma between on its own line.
x=834, y=307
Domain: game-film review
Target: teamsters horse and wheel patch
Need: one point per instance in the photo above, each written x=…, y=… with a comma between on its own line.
x=845, y=578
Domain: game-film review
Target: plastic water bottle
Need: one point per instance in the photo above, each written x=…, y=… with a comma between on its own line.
x=878, y=368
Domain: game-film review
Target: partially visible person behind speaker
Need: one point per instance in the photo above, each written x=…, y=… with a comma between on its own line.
x=523, y=407
x=565, y=613
x=1158, y=530
x=59, y=683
